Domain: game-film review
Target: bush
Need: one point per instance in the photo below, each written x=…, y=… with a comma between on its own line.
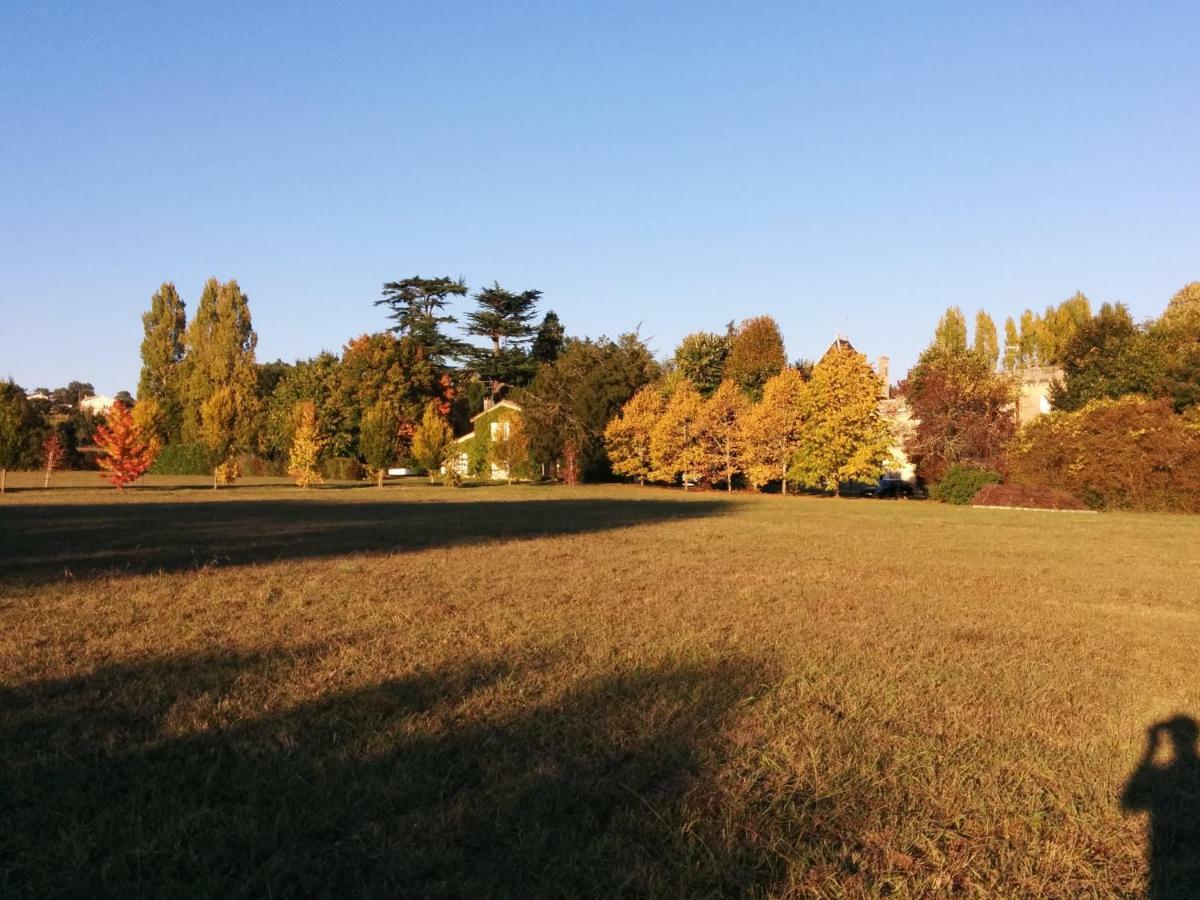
x=182, y=459
x=341, y=468
x=1130, y=453
x=962, y=482
x=1025, y=496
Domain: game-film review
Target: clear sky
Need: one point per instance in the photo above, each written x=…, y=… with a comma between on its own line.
x=836, y=165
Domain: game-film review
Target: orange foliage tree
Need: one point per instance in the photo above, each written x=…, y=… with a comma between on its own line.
x=128, y=452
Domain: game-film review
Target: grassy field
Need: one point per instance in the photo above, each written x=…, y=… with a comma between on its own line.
x=603, y=691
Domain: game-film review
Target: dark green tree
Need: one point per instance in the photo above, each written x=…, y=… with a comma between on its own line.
x=570, y=401
x=548, y=342
x=700, y=358
x=20, y=429
x=418, y=308
x=505, y=318
x=1107, y=357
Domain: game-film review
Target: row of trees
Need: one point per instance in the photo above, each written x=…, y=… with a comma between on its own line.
x=822, y=431
x=200, y=382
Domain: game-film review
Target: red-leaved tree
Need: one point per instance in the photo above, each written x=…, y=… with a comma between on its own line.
x=128, y=452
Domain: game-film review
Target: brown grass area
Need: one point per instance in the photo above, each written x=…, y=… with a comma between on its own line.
x=608, y=691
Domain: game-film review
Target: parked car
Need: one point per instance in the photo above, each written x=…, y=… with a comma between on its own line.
x=896, y=489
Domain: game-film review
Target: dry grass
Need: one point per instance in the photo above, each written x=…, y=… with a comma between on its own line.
x=565, y=692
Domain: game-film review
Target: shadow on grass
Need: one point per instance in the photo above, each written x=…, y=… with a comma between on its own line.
x=450, y=783
x=1169, y=790
x=42, y=543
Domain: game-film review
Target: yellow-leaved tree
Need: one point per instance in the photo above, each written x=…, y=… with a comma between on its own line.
x=306, y=446
x=674, y=442
x=627, y=437
x=772, y=429
x=844, y=438
x=719, y=434
x=510, y=447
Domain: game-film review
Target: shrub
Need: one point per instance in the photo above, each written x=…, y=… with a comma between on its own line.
x=1026, y=496
x=253, y=465
x=341, y=468
x=1130, y=453
x=962, y=482
x=182, y=459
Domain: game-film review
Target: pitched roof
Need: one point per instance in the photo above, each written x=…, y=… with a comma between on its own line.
x=839, y=344
x=503, y=404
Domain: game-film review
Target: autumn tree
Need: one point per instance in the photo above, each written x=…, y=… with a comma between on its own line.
x=306, y=446
x=674, y=441
x=627, y=437
x=1185, y=302
x=1012, y=346
x=432, y=441
x=53, y=453
x=317, y=380
x=127, y=452
x=397, y=371
x=18, y=426
x=756, y=353
x=219, y=418
x=510, y=446
x=719, y=433
x=505, y=318
x=844, y=438
x=163, y=326
x=700, y=358
x=987, y=343
x=950, y=336
x=220, y=374
x=962, y=409
x=418, y=309
x=773, y=427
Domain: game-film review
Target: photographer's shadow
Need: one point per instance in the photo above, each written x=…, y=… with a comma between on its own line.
x=1169, y=790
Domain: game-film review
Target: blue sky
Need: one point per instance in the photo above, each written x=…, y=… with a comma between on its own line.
x=838, y=166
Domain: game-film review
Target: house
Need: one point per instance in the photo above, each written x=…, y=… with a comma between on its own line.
x=490, y=425
x=97, y=404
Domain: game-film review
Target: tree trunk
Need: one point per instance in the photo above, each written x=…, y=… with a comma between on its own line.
x=783, y=483
x=46, y=480
x=379, y=478
x=214, y=479
x=3, y=480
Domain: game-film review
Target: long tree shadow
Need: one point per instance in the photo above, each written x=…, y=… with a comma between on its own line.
x=1169, y=790
x=423, y=786
x=41, y=543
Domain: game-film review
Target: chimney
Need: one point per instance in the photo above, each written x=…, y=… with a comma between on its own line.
x=881, y=367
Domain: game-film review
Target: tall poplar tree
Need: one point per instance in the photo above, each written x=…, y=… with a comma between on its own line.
x=987, y=343
x=1012, y=345
x=950, y=336
x=162, y=353
x=219, y=372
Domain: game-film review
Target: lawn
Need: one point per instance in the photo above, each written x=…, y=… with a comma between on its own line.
x=602, y=691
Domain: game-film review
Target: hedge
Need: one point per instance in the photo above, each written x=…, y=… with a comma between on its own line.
x=182, y=459
x=962, y=482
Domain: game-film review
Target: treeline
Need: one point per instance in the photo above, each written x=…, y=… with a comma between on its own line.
x=1124, y=427
x=726, y=408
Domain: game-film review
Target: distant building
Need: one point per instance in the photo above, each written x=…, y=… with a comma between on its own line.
x=1034, y=385
x=491, y=422
x=97, y=404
